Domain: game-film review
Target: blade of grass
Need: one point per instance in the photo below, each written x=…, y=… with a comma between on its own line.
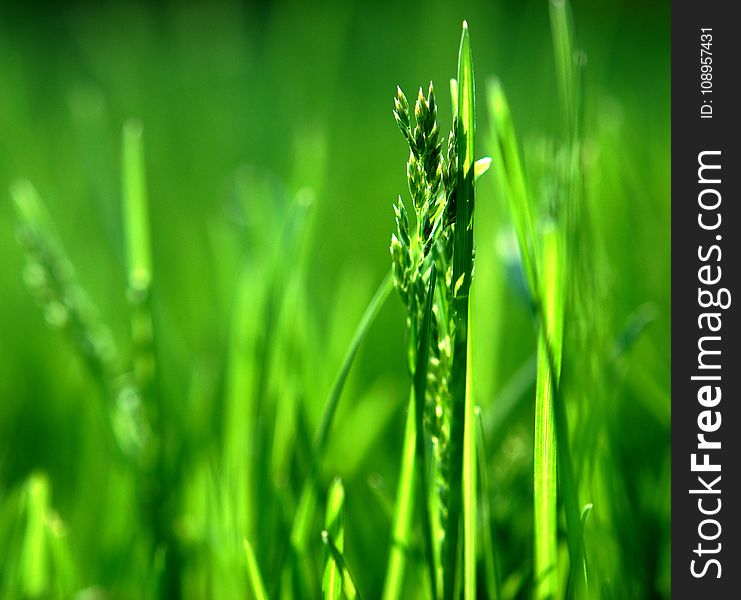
x=254, y=578
x=461, y=282
x=506, y=155
x=349, y=584
x=568, y=75
x=545, y=452
x=404, y=509
x=491, y=572
x=563, y=50
x=469, y=478
x=307, y=503
x=135, y=210
x=332, y=581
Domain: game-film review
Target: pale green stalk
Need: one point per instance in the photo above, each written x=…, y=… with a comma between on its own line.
x=254, y=578
x=335, y=528
x=460, y=512
x=307, y=502
x=404, y=509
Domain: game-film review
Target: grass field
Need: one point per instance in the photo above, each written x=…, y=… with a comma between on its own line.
x=209, y=387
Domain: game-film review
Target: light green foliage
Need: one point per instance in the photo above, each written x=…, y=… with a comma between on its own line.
x=179, y=408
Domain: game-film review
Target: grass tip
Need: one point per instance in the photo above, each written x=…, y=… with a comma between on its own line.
x=133, y=127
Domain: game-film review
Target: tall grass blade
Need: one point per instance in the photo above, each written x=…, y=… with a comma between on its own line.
x=461, y=282
x=307, y=503
x=545, y=456
x=506, y=156
x=492, y=577
x=563, y=50
x=332, y=581
x=469, y=478
x=349, y=584
x=135, y=208
x=401, y=529
x=255, y=581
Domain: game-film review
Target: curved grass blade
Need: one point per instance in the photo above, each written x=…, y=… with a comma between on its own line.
x=332, y=581
x=254, y=578
x=307, y=503
x=509, y=168
x=348, y=580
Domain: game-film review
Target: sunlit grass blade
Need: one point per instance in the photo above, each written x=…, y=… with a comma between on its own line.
x=461, y=282
x=403, y=510
x=307, y=503
x=254, y=578
x=335, y=528
x=573, y=228
x=34, y=567
x=139, y=265
x=545, y=450
x=491, y=563
x=563, y=50
x=135, y=208
x=470, y=520
x=349, y=584
x=506, y=157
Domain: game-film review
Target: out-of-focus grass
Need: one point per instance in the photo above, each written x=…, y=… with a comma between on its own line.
x=271, y=163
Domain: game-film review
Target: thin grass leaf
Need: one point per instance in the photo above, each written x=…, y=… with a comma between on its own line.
x=545, y=458
x=461, y=282
x=403, y=510
x=34, y=567
x=572, y=224
x=506, y=155
x=307, y=503
x=135, y=209
x=335, y=528
x=491, y=563
x=469, y=478
x=563, y=50
x=349, y=584
x=254, y=578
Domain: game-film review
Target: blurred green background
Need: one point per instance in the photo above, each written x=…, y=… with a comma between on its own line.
x=250, y=111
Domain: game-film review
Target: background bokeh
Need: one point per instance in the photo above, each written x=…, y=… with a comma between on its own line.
x=246, y=108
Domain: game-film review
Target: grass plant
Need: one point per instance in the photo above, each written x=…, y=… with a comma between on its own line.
x=231, y=411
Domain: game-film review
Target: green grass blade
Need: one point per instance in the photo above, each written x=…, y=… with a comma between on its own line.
x=506, y=157
x=461, y=281
x=307, y=503
x=420, y=389
x=563, y=51
x=469, y=478
x=401, y=541
x=138, y=262
x=349, y=584
x=34, y=569
x=545, y=450
x=491, y=573
x=332, y=581
x=135, y=209
x=254, y=578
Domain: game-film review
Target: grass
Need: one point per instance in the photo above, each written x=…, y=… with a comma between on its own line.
x=214, y=402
